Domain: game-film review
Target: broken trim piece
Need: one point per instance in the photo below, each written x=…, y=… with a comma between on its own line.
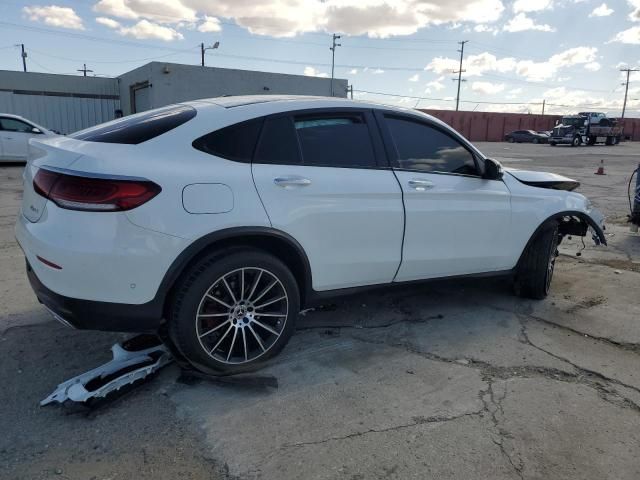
x=126, y=367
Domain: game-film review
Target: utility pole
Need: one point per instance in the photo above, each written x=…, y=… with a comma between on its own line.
x=204, y=49
x=333, y=57
x=626, y=87
x=84, y=70
x=459, y=72
x=544, y=100
x=23, y=54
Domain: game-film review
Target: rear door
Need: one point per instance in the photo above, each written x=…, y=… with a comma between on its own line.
x=456, y=222
x=324, y=179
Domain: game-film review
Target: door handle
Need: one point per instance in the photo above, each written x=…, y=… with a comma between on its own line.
x=420, y=185
x=291, y=181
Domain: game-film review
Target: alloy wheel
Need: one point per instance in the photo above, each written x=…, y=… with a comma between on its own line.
x=242, y=315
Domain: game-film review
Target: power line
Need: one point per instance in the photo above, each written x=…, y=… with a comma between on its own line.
x=186, y=50
x=386, y=94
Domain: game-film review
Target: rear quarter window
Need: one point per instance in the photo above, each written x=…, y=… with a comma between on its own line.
x=236, y=142
x=138, y=128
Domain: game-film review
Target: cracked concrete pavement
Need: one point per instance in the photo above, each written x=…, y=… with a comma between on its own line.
x=454, y=379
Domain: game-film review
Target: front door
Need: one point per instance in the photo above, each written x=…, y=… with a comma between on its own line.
x=324, y=179
x=15, y=135
x=456, y=222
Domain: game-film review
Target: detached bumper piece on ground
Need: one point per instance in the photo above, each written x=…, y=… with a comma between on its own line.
x=133, y=360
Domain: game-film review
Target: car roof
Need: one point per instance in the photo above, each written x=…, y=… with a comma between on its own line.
x=293, y=101
x=17, y=117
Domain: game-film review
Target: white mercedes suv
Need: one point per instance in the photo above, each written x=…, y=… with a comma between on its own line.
x=216, y=221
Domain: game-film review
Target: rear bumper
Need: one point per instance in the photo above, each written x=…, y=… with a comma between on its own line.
x=94, y=315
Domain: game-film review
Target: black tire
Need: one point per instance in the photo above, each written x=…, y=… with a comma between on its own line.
x=576, y=141
x=592, y=140
x=535, y=140
x=553, y=144
x=535, y=269
x=511, y=140
x=193, y=312
x=609, y=141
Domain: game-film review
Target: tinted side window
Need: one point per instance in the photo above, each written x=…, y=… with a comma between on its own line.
x=422, y=147
x=13, y=125
x=278, y=142
x=138, y=128
x=335, y=140
x=236, y=142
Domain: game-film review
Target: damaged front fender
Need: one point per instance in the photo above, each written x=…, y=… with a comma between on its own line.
x=578, y=224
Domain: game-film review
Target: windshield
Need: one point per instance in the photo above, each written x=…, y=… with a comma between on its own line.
x=573, y=121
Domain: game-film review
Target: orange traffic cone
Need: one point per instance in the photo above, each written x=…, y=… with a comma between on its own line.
x=600, y=170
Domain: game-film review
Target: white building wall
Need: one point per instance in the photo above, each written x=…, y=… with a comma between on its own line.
x=65, y=103
x=171, y=83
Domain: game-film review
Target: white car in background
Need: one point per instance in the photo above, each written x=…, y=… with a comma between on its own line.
x=216, y=221
x=15, y=133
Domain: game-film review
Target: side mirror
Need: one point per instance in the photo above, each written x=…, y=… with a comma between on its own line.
x=36, y=130
x=492, y=170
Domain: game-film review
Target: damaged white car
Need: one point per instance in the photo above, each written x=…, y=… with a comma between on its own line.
x=218, y=220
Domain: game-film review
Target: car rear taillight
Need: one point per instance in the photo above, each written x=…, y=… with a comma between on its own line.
x=104, y=194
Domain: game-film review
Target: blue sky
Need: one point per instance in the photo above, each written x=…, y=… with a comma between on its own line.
x=518, y=53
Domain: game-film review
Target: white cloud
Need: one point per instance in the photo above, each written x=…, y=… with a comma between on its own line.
x=375, y=71
x=477, y=65
x=592, y=66
x=145, y=29
x=521, y=22
x=282, y=18
x=531, y=5
x=630, y=36
x=108, y=22
x=436, y=85
x=482, y=28
x=210, y=24
x=487, y=88
x=55, y=16
x=601, y=11
x=312, y=72
x=160, y=11
x=414, y=78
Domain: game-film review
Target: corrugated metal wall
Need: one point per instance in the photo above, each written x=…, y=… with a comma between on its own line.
x=65, y=103
x=65, y=114
x=492, y=126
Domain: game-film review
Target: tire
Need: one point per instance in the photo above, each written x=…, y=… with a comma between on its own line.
x=609, y=141
x=535, y=140
x=535, y=269
x=217, y=328
x=511, y=140
x=553, y=144
x=592, y=140
x=576, y=141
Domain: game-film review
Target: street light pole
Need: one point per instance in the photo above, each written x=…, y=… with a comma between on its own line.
x=333, y=57
x=204, y=49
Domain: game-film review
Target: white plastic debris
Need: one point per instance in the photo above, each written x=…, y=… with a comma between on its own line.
x=127, y=366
